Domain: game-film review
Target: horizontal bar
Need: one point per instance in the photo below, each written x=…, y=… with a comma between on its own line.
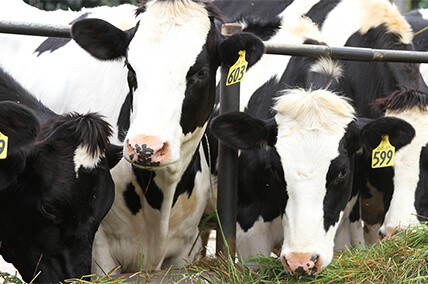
x=347, y=53
x=311, y=50
x=35, y=29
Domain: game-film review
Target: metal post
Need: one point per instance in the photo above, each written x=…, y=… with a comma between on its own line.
x=227, y=168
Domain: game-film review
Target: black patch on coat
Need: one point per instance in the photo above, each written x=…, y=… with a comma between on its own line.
x=319, y=12
x=124, y=119
x=132, y=199
x=151, y=191
x=53, y=43
x=421, y=195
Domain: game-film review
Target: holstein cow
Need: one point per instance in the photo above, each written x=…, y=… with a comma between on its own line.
x=360, y=23
x=55, y=186
x=296, y=166
x=156, y=84
x=298, y=140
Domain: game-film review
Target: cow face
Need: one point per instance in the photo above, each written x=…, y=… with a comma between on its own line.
x=315, y=136
x=172, y=56
x=50, y=211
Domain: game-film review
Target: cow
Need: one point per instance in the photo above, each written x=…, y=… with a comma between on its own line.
x=373, y=24
x=297, y=147
x=155, y=83
x=55, y=187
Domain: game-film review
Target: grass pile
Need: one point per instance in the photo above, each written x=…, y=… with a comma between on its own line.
x=401, y=259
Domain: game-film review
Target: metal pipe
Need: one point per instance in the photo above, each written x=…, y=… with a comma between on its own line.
x=347, y=53
x=227, y=174
x=35, y=29
x=227, y=194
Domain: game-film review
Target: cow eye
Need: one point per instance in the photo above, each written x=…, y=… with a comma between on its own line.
x=342, y=174
x=202, y=73
x=49, y=213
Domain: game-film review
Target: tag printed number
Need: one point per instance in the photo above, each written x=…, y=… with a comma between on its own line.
x=2, y=146
x=380, y=158
x=236, y=75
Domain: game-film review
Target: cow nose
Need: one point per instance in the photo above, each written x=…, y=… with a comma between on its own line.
x=302, y=264
x=390, y=232
x=146, y=151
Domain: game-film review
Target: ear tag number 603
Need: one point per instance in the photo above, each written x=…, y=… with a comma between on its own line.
x=3, y=146
x=237, y=70
x=384, y=154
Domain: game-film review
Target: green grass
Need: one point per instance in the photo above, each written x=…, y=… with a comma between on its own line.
x=402, y=259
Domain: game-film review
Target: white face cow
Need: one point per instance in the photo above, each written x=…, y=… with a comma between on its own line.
x=172, y=55
x=315, y=136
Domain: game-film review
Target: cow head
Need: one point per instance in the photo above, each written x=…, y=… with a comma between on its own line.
x=314, y=135
x=172, y=56
x=61, y=189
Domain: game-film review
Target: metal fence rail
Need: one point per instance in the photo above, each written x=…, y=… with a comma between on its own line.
x=346, y=53
x=35, y=29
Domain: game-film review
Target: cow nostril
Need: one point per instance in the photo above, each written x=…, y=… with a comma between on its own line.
x=315, y=258
x=381, y=235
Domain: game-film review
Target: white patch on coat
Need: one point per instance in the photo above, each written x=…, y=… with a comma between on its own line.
x=83, y=158
x=402, y=211
x=328, y=66
x=261, y=238
x=310, y=127
x=294, y=30
x=351, y=16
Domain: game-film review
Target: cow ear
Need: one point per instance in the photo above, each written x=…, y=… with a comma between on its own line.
x=230, y=47
x=19, y=123
x=239, y=130
x=100, y=38
x=400, y=132
x=113, y=155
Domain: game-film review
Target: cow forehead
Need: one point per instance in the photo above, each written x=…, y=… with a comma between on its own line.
x=306, y=157
x=170, y=36
x=311, y=125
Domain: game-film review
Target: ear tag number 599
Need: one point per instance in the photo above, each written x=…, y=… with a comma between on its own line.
x=384, y=154
x=237, y=70
x=3, y=146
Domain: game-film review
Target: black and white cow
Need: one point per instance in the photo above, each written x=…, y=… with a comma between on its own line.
x=296, y=163
x=155, y=83
x=361, y=23
x=55, y=186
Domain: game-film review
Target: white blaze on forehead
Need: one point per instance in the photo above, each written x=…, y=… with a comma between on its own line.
x=311, y=125
x=83, y=158
x=169, y=39
x=406, y=171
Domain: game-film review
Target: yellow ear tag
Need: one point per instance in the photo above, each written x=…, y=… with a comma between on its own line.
x=3, y=146
x=237, y=70
x=384, y=154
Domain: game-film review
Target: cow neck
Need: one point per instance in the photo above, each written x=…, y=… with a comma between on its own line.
x=170, y=182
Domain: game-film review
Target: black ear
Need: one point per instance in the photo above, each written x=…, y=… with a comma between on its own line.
x=19, y=123
x=100, y=38
x=113, y=155
x=400, y=132
x=238, y=130
x=230, y=47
